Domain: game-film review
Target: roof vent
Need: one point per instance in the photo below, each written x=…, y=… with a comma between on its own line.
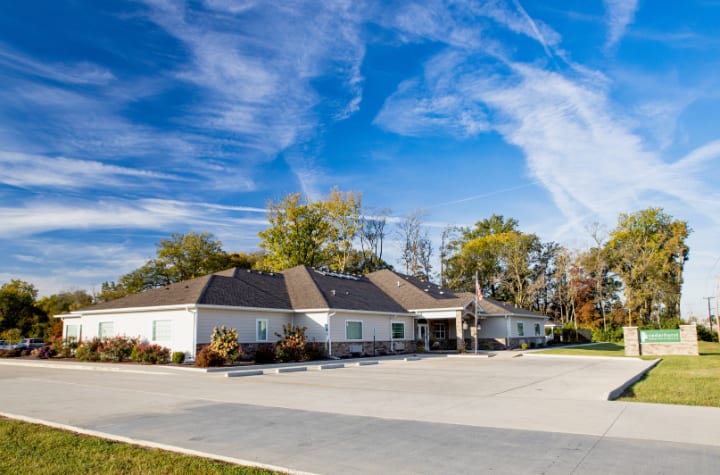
x=427, y=290
x=441, y=292
x=347, y=292
x=332, y=291
x=249, y=271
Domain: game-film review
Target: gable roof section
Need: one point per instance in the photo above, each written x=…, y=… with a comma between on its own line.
x=494, y=307
x=304, y=288
x=186, y=292
x=350, y=292
x=415, y=294
x=246, y=288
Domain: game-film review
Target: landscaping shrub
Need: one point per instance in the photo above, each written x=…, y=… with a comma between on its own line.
x=178, y=357
x=224, y=341
x=45, y=352
x=150, y=353
x=533, y=344
x=264, y=356
x=208, y=358
x=612, y=335
x=65, y=348
x=704, y=334
x=523, y=346
x=314, y=351
x=292, y=345
x=118, y=348
x=89, y=350
x=9, y=353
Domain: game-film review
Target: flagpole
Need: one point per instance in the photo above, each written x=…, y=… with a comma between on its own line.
x=477, y=286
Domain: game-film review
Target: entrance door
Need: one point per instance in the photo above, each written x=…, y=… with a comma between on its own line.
x=424, y=334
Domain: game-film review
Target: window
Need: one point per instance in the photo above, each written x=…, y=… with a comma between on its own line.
x=537, y=330
x=107, y=329
x=398, y=330
x=72, y=332
x=353, y=330
x=521, y=329
x=162, y=330
x=440, y=331
x=261, y=326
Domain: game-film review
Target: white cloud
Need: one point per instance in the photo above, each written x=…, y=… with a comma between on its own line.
x=26, y=170
x=620, y=14
x=81, y=73
x=431, y=105
x=255, y=64
x=149, y=214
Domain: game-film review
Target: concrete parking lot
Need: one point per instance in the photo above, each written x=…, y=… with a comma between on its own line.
x=437, y=415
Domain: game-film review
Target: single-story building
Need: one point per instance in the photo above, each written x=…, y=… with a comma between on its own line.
x=445, y=319
x=345, y=313
x=381, y=313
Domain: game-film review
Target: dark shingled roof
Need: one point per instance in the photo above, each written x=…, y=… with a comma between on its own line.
x=303, y=287
x=416, y=294
x=351, y=292
x=493, y=307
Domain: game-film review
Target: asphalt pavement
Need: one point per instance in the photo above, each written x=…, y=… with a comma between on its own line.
x=439, y=415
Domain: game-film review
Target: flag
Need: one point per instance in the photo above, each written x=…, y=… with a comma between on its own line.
x=478, y=290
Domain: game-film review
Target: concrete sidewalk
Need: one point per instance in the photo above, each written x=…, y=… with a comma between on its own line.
x=514, y=415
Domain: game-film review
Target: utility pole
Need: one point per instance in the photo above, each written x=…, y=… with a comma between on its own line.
x=709, y=313
x=717, y=303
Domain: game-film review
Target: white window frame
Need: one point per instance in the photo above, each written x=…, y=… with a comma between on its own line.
x=75, y=337
x=437, y=326
x=257, y=329
x=392, y=331
x=101, y=333
x=362, y=330
x=537, y=329
x=168, y=330
x=521, y=328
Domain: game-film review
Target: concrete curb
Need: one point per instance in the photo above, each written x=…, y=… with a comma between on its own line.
x=104, y=367
x=617, y=392
x=153, y=445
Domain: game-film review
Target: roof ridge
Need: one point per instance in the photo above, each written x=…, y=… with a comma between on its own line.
x=205, y=288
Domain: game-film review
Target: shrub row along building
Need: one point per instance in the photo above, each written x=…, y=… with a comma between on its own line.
x=380, y=313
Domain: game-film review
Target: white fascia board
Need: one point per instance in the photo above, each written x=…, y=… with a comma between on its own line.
x=342, y=310
x=253, y=309
x=81, y=313
x=503, y=315
x=67, y=315
x=436, y=309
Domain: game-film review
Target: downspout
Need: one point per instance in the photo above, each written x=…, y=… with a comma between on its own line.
x=328, y=337
x=392, y=342
x=194, y=333
x=507, y=332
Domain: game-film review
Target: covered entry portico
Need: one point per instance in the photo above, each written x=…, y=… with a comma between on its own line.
x=446, y=329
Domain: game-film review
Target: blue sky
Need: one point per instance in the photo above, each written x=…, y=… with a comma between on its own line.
x=123, y=122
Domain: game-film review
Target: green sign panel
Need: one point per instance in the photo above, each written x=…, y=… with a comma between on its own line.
x=659, y=336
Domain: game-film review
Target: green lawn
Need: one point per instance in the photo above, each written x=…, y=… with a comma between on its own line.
x=36, y=449
x=598, y=349
x=687, y=380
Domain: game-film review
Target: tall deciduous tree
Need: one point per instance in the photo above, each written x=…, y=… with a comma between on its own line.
x=181, y=257
x=298, y=231
x=648, y=251
x=416, y=245
x=344, y=222
x=372, y=239
x=18, y=309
